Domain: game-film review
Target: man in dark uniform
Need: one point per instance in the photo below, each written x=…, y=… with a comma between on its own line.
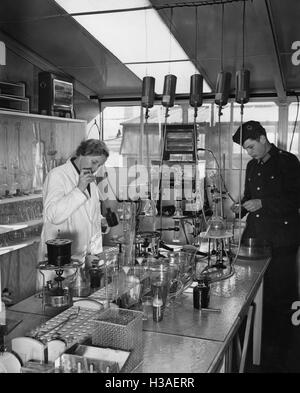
x=272, y=200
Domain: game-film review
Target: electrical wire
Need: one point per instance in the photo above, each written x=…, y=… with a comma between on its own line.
x=222, y=36
x=91, y=127
x=170, y=38
x=146, y=41
x=196, y=40
x=295, y=124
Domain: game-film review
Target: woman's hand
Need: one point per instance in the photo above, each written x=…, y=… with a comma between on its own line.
x=85, y=178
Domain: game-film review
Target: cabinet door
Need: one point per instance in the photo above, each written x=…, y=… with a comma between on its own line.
x=27, y=270
x=9, y=264
x=18, y=272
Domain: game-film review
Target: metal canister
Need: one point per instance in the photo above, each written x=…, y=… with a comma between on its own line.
x=197, y=297
x=201, y=294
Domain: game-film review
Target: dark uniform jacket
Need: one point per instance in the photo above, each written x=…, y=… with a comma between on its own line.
x=275, y=180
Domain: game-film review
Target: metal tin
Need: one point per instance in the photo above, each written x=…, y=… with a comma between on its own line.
x=59, y=251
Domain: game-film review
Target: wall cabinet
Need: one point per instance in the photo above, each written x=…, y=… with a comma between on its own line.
x=29, y=146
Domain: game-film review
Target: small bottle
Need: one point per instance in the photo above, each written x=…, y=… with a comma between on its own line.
x=201, y=294
x=2, y=313
x=95, y=276
x=157, y=305
x=205, y=294
x=111, y=218
x=79, y=369
x=197, y=292
x=91, y=368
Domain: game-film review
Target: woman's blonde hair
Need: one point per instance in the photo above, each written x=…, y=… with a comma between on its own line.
x=92, y=147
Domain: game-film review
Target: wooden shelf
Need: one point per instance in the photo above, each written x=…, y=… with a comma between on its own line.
x=19, y=246
x=20, y=198
x=42, y=117
x=6, y=228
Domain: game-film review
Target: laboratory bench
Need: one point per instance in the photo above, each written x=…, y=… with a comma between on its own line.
x=187, y=339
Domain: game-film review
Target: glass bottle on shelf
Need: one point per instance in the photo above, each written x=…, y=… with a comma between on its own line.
x=15, y=188
x=3, y=190
x=3, y=179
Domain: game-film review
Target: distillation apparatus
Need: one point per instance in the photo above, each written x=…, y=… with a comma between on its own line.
x=219, y=257
x=214, y=243
x=220, y=254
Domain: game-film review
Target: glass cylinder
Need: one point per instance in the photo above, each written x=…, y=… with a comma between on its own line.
x=160, y=276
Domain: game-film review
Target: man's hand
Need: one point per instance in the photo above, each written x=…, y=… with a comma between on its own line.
x=85, y=178
x=235, y=208
x=252, y=205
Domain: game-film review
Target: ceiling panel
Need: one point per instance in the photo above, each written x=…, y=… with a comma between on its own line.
x=64, y=43
x=286, y=16
x=271, y=28
x=258, y=52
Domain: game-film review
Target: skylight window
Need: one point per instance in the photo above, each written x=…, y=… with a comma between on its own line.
x=138, y=38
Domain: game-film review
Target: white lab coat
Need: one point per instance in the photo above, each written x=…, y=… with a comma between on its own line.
x=75, y=213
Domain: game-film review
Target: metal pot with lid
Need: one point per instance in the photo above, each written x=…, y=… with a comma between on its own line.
x=59, y=251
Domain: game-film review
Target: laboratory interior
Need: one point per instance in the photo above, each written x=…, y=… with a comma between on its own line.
x=149, y=186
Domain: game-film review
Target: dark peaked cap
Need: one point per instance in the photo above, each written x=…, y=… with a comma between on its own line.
x=251, y=129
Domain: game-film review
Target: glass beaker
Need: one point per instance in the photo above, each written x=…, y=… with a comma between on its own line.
x=81, y=286
x=160, y=276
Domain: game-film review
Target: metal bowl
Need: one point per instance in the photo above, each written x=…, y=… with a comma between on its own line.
x=253, y=242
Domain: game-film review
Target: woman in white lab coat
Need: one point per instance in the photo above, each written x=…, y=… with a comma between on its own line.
x=71, y=202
